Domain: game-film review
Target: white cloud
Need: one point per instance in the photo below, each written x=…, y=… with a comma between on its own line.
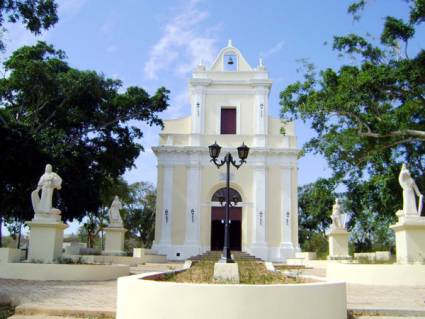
x=178, y=103
x=182, y=40
x=273, y=50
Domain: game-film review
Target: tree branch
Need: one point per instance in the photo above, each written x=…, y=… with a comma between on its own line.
x=412, y=133
x=106, y=124
x=354, y=117
x=51, y=116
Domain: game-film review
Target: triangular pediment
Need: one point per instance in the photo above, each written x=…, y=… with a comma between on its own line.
x=219, y=64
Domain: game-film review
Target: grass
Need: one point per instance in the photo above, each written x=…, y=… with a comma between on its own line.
x=5, y=311
x=250, y=273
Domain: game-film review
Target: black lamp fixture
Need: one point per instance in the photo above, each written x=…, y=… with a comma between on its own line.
x=214, y=150
x=230, y=60
x=243, y=152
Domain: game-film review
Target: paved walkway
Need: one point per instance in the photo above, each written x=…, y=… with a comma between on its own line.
x=385, y=297
x=90, y=295
x=102, y=295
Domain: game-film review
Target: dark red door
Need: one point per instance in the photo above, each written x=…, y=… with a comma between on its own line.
x=217, y=228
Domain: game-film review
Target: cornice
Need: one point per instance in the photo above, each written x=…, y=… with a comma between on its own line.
x=199, y=149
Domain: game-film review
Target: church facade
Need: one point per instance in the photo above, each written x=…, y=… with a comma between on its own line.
x=229, y=105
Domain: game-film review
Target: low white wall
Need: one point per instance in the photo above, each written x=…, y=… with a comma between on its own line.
x=375, y=274
x=307, y=255
x=321, y=264
x=28, y=271
x=105, y=259
x=138, y=298
x=377, y=255
x=10, y=255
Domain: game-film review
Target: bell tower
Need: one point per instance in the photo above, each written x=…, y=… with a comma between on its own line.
x=240, y=87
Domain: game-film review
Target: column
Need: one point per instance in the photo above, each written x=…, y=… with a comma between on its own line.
x=167, y=201
x=193, y=207
x=259, y=218
x=286, y=246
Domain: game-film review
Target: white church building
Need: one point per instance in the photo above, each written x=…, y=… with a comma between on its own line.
x=229, y=105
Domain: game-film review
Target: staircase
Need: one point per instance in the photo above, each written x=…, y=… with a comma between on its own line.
x=216, y=255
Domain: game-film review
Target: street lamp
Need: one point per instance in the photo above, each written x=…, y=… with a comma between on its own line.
x=243, y=151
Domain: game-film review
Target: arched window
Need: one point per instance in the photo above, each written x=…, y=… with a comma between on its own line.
x=221, y=196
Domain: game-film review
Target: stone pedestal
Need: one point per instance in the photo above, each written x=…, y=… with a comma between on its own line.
x=46, y=238
x=338, y=244
x=114, y=241
x=410, y=239
x=226, y=273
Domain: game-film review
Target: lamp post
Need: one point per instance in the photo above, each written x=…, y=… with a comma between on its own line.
x=243, y=151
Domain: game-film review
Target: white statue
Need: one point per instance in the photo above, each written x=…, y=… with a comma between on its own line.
x=409, y=190
x=114, y=213
x=337, y=215
x=48, y=182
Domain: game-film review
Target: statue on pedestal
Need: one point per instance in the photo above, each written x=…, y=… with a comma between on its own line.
x=48, y=182
x=337, y=216
x=410, y=189
x=115, y=219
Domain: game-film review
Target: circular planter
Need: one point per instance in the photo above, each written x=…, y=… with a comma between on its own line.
x=141, y=298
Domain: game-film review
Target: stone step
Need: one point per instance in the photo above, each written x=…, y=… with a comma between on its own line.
x=385, y=317
x=386, y=314
x=240, y=255
x=40, y=317
x=70, y=312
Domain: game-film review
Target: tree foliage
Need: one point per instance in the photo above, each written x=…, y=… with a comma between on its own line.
x=368, y=116
x=35, y=15
x=139, y=212
x=81, y=122
x=368, y=111
x=315, y=202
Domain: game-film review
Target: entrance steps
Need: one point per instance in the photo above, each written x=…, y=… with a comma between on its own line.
x=33, y=311
x=216, y=255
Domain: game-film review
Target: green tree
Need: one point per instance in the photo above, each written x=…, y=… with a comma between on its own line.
x=315, y=202
x=35, y=15
x=139, y=212
x=95, y=222
x=79, y=121
x=368, y=114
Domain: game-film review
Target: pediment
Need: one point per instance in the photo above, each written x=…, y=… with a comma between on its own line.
x=219, y=64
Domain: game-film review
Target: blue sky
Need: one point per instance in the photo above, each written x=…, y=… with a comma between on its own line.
x=157, y=43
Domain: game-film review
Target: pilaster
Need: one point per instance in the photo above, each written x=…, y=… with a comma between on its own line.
x=193, y=208
x=197, y=101
x=167, y=203
x=260, y=216
x=261, y=111
x=286, y=245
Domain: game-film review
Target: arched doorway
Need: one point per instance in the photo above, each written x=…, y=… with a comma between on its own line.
x=218, y=213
